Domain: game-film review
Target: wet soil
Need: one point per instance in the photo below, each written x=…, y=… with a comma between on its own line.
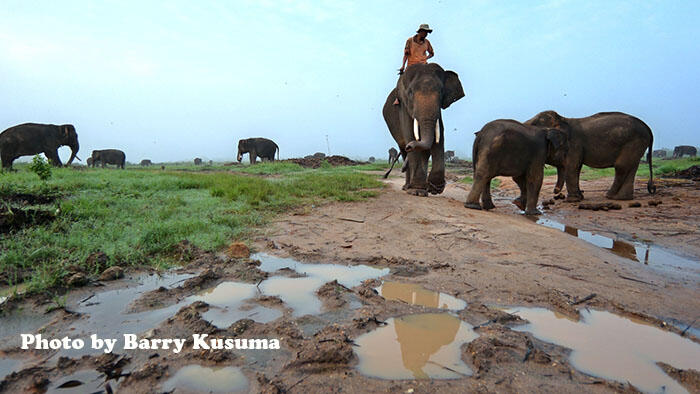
x=387, y=263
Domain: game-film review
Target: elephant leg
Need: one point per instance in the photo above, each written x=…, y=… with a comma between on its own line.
x=534, y=184
x=521, y=181
x=561, y=177
x=620, y=174
x=436, y=179
x=53, y=158
x=486, y=201
x=417, y=173
x=572, y=183
x=482, y=180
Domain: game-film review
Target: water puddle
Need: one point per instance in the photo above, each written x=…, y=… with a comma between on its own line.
x=420, y=346
x=225, y=302
x=418, y=295
x=637, y=251
x=8, y=365
x=107, y=317
x=84, y=381
x=299, y=293
x=207, y=380
x=616, y=348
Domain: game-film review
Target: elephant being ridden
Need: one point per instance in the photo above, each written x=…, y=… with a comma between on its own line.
x=509, y=148
x=412, y=114
x=34, y=138
x=603, y=140
x=255, y=147
x=109, y=156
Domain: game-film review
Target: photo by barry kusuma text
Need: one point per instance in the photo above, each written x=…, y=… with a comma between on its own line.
x=133, y=342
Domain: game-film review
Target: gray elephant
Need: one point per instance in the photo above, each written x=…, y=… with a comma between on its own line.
x=682, y=150
x=109, y=156
x=603, y=140
x=509, y=148
x=89, y=162
x=371, y=159
x=145, y=163
x=412, y=114
x=393, y=158
x=34, y=138
x=257, y=147
x=659, y=154
x=197, y=161
x=449, y=155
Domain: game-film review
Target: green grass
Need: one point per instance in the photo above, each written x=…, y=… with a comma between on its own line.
x=136, y=216
x=660, y=167
x=495, y=182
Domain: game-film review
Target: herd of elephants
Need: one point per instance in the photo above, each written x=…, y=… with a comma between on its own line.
x=412, y=112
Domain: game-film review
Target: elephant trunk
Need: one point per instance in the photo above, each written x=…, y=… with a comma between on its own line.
x=74, y=153
x=240, y=156
x=428, y=133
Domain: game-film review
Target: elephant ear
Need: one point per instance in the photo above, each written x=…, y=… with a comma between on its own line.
x=452, y=90
x=556, y=138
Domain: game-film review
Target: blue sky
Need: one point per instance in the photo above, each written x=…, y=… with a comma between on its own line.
x=175, y=80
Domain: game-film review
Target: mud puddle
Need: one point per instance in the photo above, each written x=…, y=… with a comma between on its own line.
x=226, y=301
x=637, y=251
x=613, y=347
x=84, y=381
x=420, y=346
x=299, y=292
x=207, y=380
x=418, y=295
x=107, y=316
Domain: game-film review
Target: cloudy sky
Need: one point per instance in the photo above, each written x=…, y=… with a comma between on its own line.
x=172, y=80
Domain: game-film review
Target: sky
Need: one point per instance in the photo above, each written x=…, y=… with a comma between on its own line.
x=174, y=80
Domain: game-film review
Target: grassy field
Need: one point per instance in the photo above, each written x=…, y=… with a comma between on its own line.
x=135, y=216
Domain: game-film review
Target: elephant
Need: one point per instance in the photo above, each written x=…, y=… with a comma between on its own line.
x=509, y=148
x=393, y=158
x=449, y=155
x=371, y=159
x=412, y=114
x=34, y=138
x=89, y=162
x=603, y=140
x=109, y=156
x=197, y=161
x=145, y=163
x=683, y=150
x=257, y=147
x=659, y=154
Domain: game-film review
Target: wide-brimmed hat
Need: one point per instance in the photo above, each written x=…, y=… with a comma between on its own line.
x=425, y=27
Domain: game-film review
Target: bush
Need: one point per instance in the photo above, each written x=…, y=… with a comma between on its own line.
x=41, y=167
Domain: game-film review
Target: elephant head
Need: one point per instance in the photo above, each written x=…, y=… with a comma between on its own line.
x=549, y=119
x=242, y=148
x=68, y=136
x=557, y=146
x=423, y=90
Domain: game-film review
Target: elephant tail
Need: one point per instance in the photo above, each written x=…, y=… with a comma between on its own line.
x=651, y=188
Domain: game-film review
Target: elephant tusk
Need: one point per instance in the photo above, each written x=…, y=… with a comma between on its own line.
x=437, y=131
x=415, y=129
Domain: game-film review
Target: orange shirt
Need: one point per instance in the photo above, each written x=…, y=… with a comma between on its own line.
x=416, y=52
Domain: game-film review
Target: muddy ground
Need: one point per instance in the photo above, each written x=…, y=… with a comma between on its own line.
x=488, y=259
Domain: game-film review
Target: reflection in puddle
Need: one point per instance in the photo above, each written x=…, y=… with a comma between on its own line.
x=421, y=346
x=418, y=295
x=299, y=293
x=637, y=251
x=207, y=380
x=225, y=301
x=614, y=347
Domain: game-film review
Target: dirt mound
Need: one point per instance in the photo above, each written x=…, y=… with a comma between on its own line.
x=316, y=162
x=689, y=173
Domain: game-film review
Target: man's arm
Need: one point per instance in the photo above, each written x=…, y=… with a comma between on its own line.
x=431, y=53
x=406, y=52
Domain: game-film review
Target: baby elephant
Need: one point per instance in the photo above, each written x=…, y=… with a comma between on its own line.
x=509, y=148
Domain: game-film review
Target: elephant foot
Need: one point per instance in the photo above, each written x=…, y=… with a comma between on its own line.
x=436, y=189
x=488, y=205
x=573, y=198
x=472, y=205
x=519, y=203
x=533, y=212
x=618, y=197
x=405, y=186
x=417, y=192
x=556, y=190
